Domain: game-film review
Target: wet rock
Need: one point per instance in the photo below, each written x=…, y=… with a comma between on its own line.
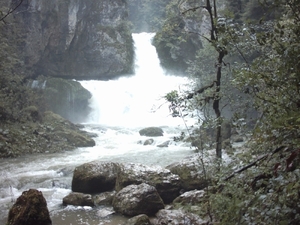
x=77, y=139
x=61, y=129
x=29, y=209
x=78, y=199
x=104, y=212
x=151, y=132
x=104, y=198
x=138, y=220
x=177, y=217
x=190, y=201
x=164, y=144
x=95, y=177
x=190, y=171
x=138, y=199
x=66, y=97
x=148, y=142
x=167, y=184
x=190, y=198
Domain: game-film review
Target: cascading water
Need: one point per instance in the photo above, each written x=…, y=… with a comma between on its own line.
x=119, y=109
x=137, y=100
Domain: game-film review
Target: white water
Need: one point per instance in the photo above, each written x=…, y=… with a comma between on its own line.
x=120, y=109
x=136, y=101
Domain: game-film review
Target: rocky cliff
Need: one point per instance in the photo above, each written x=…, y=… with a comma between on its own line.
x=79, y=39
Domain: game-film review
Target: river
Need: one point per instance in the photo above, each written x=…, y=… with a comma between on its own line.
x=120, y=108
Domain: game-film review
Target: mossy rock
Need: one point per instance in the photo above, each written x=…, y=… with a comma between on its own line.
x=30, y=208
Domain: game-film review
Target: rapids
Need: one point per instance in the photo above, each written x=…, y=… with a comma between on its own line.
x=120, y=108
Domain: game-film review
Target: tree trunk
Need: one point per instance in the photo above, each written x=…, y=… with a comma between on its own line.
x=216, y=106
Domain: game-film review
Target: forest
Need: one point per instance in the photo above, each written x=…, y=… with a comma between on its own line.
x=248, y=68
x=244, y=56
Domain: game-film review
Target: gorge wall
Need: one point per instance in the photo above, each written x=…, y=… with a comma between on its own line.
x=73, y=38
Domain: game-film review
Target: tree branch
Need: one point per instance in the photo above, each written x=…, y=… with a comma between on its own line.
x=201, y=90
x=255, y=162
x=10, y=11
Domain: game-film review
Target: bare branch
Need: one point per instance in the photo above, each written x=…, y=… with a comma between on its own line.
x=201, y=90
x=10, y=11
x=255, y=162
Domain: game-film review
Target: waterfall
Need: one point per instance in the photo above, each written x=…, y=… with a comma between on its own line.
x=135, y=100
x=120, y=108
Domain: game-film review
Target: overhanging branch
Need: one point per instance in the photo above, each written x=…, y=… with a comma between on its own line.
x=10, y=11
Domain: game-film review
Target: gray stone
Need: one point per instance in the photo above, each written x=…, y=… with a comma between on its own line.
x=177, y=217
x=167, y=184
x=190, y=198
x=95, y=177
x=190, y=171
x=104, y=198
x=148, y=142
x=78, y=199
x=138, y=199
x=164, y=144
x=151, y=132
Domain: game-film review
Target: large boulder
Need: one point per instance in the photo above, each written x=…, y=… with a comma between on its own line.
x=78, y=199
x=138, y=199
x=29, y=209
x=73, y=39
x=167, y=184
x=191, y=173
x=191, y=201
x=190, y=197
x=177, y=217
x=65, y=97
x=95, y=177
x=152, y=132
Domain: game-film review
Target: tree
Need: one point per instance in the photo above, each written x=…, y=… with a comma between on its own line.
x=273, y=77
x=215, y=39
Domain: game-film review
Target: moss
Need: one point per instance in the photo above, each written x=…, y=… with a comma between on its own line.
x=30, y=208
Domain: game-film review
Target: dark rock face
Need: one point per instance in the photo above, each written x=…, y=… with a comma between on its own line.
x=29, y=209
x=95, y=177
x=65, y=97
x=138, y=199
x=76, y=39
x=152, y=132
x=167, y=184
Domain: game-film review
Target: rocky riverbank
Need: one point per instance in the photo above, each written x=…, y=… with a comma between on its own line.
x=45, y=133
x=135, y=190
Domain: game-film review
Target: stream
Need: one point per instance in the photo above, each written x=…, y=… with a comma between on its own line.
x=120, y=108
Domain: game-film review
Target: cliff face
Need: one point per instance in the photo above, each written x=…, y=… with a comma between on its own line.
x=79, y=39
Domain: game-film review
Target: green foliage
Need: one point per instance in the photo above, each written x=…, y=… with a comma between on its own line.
x=264, y=59
x=175, y=46
x=274, y=81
